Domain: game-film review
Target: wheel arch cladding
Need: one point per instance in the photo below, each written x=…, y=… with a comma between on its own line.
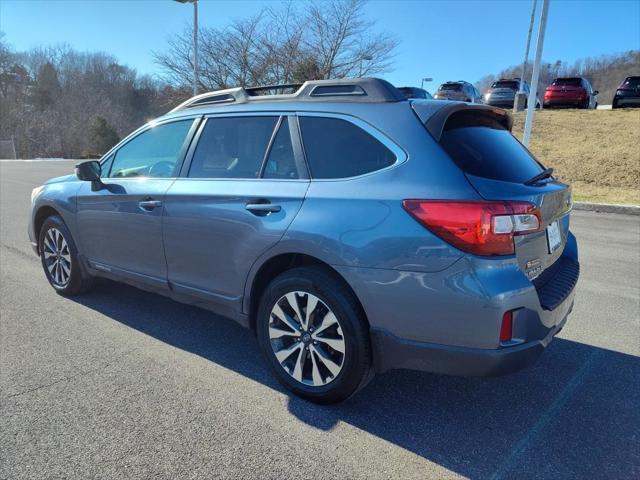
x=41, y=215
x=281, y=263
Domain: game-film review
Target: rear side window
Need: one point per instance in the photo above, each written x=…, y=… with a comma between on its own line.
x=336, y=148
x=483, y=147
x=281, y=162
x=232, y=147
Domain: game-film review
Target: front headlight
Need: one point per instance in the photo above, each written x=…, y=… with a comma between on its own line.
x=35, y=192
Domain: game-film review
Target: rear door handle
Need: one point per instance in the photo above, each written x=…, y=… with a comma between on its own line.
x=262, y=208
x=149, y=204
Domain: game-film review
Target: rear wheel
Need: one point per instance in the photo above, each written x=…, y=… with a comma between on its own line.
x=59, y=258
x=314, y=336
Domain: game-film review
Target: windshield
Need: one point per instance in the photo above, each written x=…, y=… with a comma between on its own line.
x=451, y=86
x=505, y=84
x=567, y=82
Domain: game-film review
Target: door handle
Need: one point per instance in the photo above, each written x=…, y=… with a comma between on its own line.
x=262, y=208
x=149, y=204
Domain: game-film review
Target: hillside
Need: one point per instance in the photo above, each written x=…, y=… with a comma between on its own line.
x=605, y=73
x=596, y=151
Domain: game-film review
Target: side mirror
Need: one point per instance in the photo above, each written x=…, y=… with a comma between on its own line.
x=90, y=172
x=595, y=92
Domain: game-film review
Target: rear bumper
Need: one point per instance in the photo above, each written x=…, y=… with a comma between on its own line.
x=505, y=102
x=391, y=352
x=631, y=101
x=563, y=102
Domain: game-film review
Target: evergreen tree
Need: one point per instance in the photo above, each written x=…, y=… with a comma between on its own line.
x=102, y=137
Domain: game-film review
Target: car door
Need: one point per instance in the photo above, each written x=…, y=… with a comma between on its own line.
x=120, y=224
x=241, y=187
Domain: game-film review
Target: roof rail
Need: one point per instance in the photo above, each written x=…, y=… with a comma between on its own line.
x=367, y=90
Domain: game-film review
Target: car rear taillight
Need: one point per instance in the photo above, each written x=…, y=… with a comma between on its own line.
x=481, y=228
x=506, y=328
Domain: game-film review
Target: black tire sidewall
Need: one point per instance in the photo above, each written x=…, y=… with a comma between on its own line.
x=357, y=361
x=76, y=280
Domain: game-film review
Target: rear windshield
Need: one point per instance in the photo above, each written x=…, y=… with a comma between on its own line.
x=411, y=92
x=631, y=82
x=481, y=146
x=507, y=84
x=567, y=82
x=451, y=86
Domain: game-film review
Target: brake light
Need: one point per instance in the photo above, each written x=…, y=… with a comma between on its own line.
x=506, y=328
x=481, y=228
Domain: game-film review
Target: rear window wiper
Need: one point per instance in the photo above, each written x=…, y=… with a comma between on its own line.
x=546, y=173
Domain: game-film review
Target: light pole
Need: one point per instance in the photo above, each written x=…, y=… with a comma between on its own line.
x=536, y=74
x=195, y=43
x=526, y=52
x=426, y=79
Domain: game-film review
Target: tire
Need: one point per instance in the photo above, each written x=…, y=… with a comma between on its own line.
x=310, y=369
x=64, y=272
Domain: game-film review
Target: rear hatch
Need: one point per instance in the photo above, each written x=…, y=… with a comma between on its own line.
x=452, y=91
x=629, y=88
x=504, y=89
x=478, y=139
x=565, y=88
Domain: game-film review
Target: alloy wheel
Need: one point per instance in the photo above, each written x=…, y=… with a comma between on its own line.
x=306, y=338
x=57, y=257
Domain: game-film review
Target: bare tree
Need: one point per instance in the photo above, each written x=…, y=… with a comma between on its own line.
x=284, y=44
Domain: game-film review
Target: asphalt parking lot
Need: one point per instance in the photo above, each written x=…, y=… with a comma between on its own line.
x=123, y=383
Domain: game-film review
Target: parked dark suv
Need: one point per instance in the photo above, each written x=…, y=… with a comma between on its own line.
x=353, y=230
x=460, y=90
x=574, y=92
x=627, y=94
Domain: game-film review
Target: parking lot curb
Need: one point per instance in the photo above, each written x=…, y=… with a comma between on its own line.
x=607, y=208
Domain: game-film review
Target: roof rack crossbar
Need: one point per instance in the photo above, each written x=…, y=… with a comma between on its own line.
x=368, y=90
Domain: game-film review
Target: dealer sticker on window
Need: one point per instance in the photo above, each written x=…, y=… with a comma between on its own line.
x=554, y=240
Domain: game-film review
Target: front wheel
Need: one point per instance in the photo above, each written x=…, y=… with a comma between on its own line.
x=313, y=334
x=59, y=258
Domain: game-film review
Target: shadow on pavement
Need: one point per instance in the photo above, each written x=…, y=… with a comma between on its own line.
x=576, y=413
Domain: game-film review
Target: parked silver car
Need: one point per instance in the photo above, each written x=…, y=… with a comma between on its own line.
x=503, y=93
x=460, y=90
x=353, y=230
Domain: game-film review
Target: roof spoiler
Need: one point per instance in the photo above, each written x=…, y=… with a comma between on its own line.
x=434, y=117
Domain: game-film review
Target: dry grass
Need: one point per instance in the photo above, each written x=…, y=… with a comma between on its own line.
x=596, y=151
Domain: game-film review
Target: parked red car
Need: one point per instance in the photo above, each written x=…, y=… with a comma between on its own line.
x=574, y=92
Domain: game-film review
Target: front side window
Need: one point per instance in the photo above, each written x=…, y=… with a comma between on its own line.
x=153, y=153
x=232, y=147
x=336, y=148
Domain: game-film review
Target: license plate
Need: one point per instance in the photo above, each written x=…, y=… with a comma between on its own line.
x=554, y=240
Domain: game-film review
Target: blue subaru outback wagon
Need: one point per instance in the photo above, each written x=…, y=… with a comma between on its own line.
x=353, y=230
